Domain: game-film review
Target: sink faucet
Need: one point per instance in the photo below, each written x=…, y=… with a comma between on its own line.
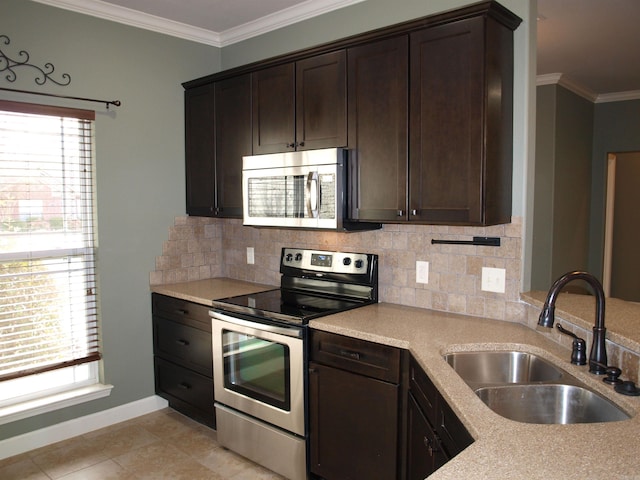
x=598, y=355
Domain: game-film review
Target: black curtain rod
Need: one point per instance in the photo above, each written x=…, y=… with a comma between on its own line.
x=116, y=103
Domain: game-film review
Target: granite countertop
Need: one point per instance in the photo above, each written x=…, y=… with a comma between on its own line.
x=204, y=291
x=503, y=448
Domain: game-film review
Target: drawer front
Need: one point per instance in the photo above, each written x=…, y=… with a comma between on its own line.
x=424, y=391
x=354, y=355
x=175, y=382
x=189, y=313
x=183, y=344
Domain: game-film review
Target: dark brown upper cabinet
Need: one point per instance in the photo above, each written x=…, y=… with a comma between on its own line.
x=218, y=134
x=199, y=150
x=300, y=105
x=233, y=141
x=377, y=95
x=424, y=107
x=461, y=102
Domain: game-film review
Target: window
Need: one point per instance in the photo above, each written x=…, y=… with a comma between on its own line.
x=48, y=318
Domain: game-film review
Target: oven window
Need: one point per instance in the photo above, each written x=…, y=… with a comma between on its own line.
x=257, y=368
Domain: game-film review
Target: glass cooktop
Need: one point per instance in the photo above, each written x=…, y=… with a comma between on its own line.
x=287, y=305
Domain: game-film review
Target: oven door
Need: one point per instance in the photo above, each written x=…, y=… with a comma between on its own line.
x=258, y=369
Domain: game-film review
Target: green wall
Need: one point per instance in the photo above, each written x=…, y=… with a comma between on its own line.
x=564, y=132
x=573, y=138
x=139, y=165
x=616, y=129
x=139, y=146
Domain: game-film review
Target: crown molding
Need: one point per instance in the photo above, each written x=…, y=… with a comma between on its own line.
x=618, y=96
x=564, y=81
x=134, y=18
x=288, y=16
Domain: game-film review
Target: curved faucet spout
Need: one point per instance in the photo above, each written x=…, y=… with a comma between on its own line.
x=598, y=356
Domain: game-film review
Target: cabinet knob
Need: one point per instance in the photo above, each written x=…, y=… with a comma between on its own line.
x=401, y=213
x=182, y=342
x=414, y=212
x=301, y=144
x=291, y=145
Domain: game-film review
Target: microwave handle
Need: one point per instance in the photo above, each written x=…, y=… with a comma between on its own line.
x=313, y=196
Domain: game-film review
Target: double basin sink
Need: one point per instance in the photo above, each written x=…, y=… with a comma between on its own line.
x=526, y=388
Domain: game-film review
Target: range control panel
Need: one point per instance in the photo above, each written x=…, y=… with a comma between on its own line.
x=321, y=261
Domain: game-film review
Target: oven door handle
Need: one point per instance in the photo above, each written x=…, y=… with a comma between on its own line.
x=294, y=332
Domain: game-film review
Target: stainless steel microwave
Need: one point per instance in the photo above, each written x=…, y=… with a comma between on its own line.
x=305, y=189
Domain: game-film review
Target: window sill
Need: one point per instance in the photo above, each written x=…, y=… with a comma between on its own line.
x=38, y=406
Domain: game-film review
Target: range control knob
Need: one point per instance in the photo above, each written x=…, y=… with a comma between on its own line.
x=288, y=257
x=346, y=261
x=359, y=263
x=298, y=257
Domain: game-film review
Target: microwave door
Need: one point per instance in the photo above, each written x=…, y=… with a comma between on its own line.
x=294, y=196
x=281, y=197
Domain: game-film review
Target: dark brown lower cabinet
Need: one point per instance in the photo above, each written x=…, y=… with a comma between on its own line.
x=424, y=452
x=353, y=425
x=183, y=359
x=355, y=408
x=434, y=432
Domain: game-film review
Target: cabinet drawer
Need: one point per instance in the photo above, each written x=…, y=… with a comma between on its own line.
x=184, y=388
x=424, y=391
x=183, y=344
x=181, y=311
x=358, y=356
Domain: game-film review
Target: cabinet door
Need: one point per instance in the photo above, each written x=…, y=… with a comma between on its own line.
x=353, y=425
x=447, y=123
x=378, y=115
x=233, y=141
x=321, y=101
x=424, y=452
x=199, y=150
x=273, y=98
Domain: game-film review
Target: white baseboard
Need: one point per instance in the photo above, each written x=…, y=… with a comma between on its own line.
x=78, y=426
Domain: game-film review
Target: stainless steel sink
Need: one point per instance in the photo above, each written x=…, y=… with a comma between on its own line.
x=497, y=368
x=526, y=388
x=558, y=404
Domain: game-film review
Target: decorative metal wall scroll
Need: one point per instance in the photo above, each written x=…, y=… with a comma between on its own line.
x=7, y=64
x=43, y=75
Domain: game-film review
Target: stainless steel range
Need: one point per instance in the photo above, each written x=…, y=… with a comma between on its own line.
x=260, y=353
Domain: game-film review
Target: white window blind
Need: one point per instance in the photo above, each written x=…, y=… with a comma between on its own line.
x=48, y=317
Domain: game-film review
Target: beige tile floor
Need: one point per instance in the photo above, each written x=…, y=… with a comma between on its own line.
x=160, y=445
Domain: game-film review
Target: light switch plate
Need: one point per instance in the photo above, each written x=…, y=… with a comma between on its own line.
x=493, y=279
x=250, y=256
x=422, y=272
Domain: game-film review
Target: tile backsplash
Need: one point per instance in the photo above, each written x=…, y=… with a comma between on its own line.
x=200, y=248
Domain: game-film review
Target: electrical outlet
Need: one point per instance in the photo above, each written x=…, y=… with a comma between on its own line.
x=250, y=256
x=422, y=272
x=493, y=279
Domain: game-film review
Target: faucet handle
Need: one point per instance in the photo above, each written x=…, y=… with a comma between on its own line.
x=579, y=352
